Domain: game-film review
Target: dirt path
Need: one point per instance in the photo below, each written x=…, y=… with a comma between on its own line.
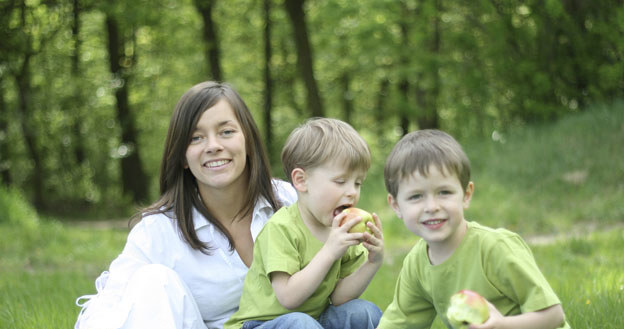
x=579, y=230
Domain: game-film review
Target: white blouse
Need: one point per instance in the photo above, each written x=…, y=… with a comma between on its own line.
x=215, y=280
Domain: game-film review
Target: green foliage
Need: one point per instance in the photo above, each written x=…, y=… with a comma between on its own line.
x=15, y=210
x=481, y=66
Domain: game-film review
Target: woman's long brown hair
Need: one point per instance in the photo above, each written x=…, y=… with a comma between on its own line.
x=178, y=186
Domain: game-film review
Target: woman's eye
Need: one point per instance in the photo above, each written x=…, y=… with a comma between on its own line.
x=228, y=132
x=196, y=139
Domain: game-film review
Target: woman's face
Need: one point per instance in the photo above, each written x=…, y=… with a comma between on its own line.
x=216, y=154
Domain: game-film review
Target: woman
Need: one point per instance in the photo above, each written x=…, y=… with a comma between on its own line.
x=184, y=263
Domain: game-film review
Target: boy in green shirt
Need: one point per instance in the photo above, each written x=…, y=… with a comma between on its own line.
x=307, y=270
x=427, y=176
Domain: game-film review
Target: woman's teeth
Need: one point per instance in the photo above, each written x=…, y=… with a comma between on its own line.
x=216, y=163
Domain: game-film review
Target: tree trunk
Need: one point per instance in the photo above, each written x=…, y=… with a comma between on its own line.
x=24, y=96
x=380, y=109
x=211, y=39
x=404, y=84
x=268, y=82
x=403, y=111
x=428, y=118
x=24, y=91
x=5, y=162
x=134, y=180
x=294, y=8
x=347, y=97
x=78, y=146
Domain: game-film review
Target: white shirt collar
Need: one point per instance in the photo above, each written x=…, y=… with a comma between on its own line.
x=200, y=221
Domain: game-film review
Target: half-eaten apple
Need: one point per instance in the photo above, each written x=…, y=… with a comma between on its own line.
x=467, y=307
x=362, y=226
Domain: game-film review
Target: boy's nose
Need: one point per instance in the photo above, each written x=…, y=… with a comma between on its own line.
x=352, y=191
x=431, y=204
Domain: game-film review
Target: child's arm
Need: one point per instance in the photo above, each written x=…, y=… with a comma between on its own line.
x=550, y=317
x=354, y=285
x=293, y=290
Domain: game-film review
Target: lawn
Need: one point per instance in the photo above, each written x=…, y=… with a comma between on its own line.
x=43, y=271
x=560, y=186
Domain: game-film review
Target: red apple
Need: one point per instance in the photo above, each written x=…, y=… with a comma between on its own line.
x=360, y=227
x=467, y=307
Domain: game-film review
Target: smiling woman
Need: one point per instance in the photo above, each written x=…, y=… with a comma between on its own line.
x=185, y=260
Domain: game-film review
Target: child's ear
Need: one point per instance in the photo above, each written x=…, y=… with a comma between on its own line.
x=394, y=205
x=468, y=194
x=298, y=177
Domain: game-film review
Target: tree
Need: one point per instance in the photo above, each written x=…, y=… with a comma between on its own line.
x=268, y=81
x=294, y=8
x=428, y=117
x=211, y=40
x=5, y=164
x=134, y=180
x=26, y=49
x=78, y=146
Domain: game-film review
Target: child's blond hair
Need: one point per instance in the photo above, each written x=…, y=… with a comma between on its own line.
x=319, y=140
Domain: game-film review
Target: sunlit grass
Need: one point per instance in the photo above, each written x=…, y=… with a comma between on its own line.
x=43, y=270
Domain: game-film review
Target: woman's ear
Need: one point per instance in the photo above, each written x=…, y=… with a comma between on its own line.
x=298, y=177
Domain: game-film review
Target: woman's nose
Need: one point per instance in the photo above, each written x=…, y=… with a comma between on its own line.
x=212, y=145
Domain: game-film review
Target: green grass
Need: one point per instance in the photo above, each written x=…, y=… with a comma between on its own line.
x=543, y=180
x=551, y=178
x=41, y=274
x=44, y=269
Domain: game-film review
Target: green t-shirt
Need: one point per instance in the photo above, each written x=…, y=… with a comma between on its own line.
x=286, y=245
x=496, y=263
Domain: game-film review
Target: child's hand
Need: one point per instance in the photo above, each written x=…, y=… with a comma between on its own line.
x=550, y=317
x=340, y=239
x=492, y=322
x=375, y=242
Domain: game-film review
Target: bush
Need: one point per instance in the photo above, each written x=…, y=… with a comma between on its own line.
x=15, y=209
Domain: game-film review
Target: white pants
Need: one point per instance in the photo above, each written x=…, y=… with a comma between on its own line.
x=154, y=297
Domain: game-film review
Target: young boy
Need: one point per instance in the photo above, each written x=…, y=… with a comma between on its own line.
x=427, y=176
x=307, y=270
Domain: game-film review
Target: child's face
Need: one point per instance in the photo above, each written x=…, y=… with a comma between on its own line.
x=432, y=206
x=327, y=190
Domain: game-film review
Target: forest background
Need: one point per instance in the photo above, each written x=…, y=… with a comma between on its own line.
x=87, y=87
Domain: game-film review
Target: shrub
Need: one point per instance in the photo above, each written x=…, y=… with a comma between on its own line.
x=15, y=209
